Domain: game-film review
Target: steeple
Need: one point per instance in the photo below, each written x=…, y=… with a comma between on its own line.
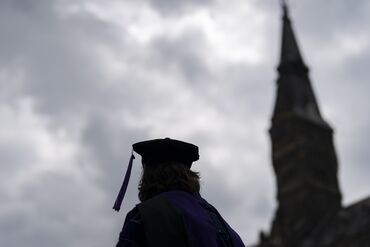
x=295, y=93
x=290, y=54
x=303, y=153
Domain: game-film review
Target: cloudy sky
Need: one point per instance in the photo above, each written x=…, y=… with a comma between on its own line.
x=81, y=80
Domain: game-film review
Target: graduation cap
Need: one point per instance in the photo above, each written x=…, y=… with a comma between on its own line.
x=160, y=150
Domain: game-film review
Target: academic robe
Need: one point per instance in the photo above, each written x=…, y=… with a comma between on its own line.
x=177, y=219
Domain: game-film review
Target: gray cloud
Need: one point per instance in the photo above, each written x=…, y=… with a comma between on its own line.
x=185, y=54
x=77, y=89
x=176, y=7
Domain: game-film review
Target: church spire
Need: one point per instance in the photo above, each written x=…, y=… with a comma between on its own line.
x=295, y=93
x=291, y=57
x=303, y=153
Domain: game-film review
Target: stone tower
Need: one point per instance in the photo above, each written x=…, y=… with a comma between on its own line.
x=303, y=154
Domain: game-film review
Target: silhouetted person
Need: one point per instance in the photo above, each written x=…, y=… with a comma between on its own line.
x=171, y=213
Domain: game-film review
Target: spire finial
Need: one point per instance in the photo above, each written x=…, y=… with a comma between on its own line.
x=283, y=3
x=284, y=6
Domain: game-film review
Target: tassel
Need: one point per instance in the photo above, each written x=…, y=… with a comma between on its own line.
x=121, y=194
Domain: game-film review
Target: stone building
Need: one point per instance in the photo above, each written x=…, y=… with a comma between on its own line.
x=309, y=212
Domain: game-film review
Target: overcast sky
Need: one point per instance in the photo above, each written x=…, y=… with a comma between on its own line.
x=82, y=80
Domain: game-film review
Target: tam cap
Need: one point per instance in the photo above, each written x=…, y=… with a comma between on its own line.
x=158, y=150
x=167, y=150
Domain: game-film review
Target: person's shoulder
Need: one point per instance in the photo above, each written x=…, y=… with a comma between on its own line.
x=133, y=211
x=169, y=199
x=132, y=233
x=148, y=201
x=132, y=216
x=159, y=204
x=178, y=194
x=159, y=197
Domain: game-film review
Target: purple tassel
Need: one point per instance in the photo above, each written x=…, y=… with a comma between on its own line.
x=122, y=191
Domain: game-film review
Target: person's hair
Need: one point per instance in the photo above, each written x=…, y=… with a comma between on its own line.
x=158, y=177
